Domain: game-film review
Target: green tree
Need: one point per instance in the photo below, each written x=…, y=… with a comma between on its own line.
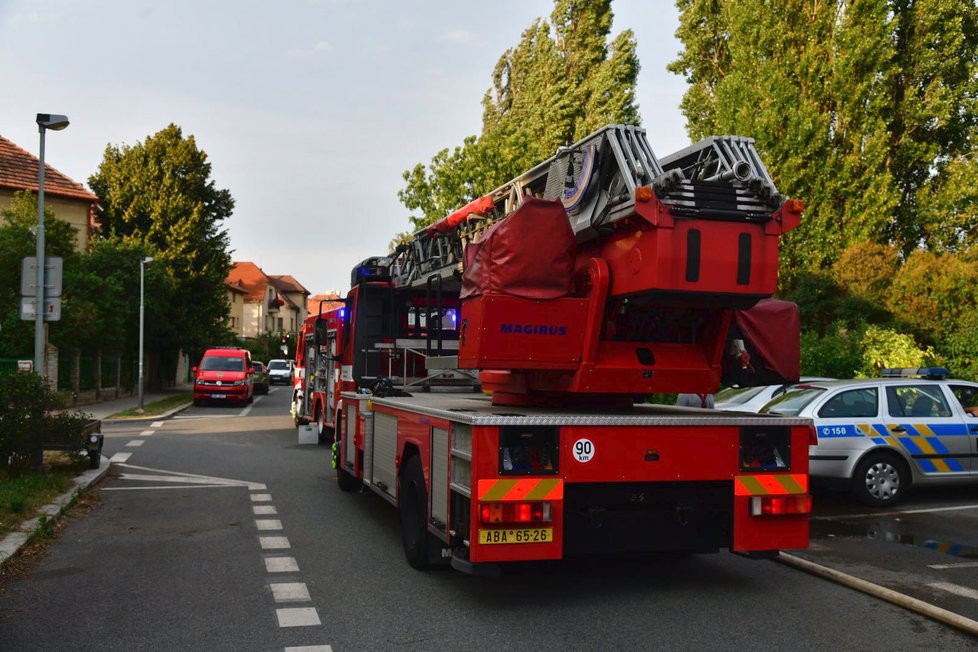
x=158, y=194
x=562, y=81
x=866, y=110
x=18, y=226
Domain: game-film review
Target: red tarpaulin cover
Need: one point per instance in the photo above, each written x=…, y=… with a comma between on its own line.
x=773, y=329
x=528, y=254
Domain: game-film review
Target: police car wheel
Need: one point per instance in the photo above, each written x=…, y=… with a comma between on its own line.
x=880, y=480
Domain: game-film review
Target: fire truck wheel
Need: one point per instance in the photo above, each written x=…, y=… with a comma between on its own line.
x=413, y=508
x=881, y=479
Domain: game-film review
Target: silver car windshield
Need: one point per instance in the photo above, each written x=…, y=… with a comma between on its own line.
x=792, y=402
x=737, y=395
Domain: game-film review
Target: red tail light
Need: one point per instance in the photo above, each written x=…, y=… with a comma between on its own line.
x=515, y=512
x=789, y=505
x=812, y=436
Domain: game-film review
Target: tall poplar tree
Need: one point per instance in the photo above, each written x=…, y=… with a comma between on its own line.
x=562, y=81
x=867, y=110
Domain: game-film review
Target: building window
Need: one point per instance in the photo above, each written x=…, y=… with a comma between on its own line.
x=280, y=320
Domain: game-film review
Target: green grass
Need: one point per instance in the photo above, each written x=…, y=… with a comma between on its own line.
x=155, y=408
x=21, y=497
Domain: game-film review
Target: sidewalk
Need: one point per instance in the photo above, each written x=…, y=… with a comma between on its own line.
x=105, y=409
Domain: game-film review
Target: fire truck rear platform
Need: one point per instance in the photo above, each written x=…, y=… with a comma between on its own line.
x=532, y=483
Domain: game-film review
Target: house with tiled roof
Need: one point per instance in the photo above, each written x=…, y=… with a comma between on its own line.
x=69, y=200
x=295, y=295
x=273, y=304
x=236, y=302
x=328, y=301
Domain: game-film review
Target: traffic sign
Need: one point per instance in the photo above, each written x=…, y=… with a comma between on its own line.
x=25, y=366
x=52, y=309
x=53, y=271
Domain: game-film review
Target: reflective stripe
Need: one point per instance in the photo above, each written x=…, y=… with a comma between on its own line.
x=771, y=485
x=508, y=490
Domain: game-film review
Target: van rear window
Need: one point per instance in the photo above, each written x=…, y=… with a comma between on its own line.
x=222, y=363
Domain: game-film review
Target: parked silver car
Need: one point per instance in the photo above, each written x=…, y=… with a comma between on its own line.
x=877, y=437
x=752, y=399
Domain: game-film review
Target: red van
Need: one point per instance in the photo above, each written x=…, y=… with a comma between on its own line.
x=225, y=375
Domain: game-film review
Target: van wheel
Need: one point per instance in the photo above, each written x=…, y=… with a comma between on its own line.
x=413, y=506
x=881, y=480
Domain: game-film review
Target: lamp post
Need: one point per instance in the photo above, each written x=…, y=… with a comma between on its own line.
x=142, y=271
x=45, y=121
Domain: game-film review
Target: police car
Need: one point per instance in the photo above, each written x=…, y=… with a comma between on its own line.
x=878, y=437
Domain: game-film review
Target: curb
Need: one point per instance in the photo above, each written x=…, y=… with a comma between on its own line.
x=155, y=417
x=11, y=544
x=899, y=599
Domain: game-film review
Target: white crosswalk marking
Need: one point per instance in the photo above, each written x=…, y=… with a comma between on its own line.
x=136, y=443
x=268, y=524
x=118, y=458
x=147, y=433
x=264, y=510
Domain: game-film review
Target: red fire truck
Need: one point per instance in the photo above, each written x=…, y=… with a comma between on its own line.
x=570, y=294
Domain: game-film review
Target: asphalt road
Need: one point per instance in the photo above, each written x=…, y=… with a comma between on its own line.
x=174, y=560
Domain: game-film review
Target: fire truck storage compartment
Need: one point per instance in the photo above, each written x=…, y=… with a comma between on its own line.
x=439, y=479
x=647, y=517
x=384, y=453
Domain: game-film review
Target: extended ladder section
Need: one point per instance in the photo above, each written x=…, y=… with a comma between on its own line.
x=721, y=177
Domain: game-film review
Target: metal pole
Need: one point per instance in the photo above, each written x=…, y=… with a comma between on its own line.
x=142, y=269
x=39, y=298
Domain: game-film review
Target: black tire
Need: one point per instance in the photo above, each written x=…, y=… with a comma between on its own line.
x=413, y=507
x=881, y=480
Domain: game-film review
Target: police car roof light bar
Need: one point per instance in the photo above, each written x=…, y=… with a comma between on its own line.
x=930, y=373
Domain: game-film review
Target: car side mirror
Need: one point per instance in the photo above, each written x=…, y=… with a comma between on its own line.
x=251, y=370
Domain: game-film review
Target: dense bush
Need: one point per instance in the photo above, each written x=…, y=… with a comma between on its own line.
x=27, y=404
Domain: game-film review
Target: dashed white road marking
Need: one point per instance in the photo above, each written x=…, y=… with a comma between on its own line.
x=147, y=433
x=274, y=543
x=266, y=524
x=156, y=424
x=967, y=564
x=264, y=510
x=298, y=617
x=963, y=591
x=281, y=565
x=290, y=592
x=120, y=457
x=136, y=443
x=261, y=498
x=310, y=648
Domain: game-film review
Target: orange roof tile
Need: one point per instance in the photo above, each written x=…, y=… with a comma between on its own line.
x=286, y=283
x=249, y=276
x=18, y=170
x=330, y=300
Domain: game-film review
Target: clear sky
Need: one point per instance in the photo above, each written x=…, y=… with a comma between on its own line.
x=309, y=110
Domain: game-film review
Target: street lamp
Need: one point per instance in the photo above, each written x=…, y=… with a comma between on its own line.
x=142, y=271
x=45, y=121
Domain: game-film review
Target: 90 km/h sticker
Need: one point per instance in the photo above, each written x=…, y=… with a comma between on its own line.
x=583, y=450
